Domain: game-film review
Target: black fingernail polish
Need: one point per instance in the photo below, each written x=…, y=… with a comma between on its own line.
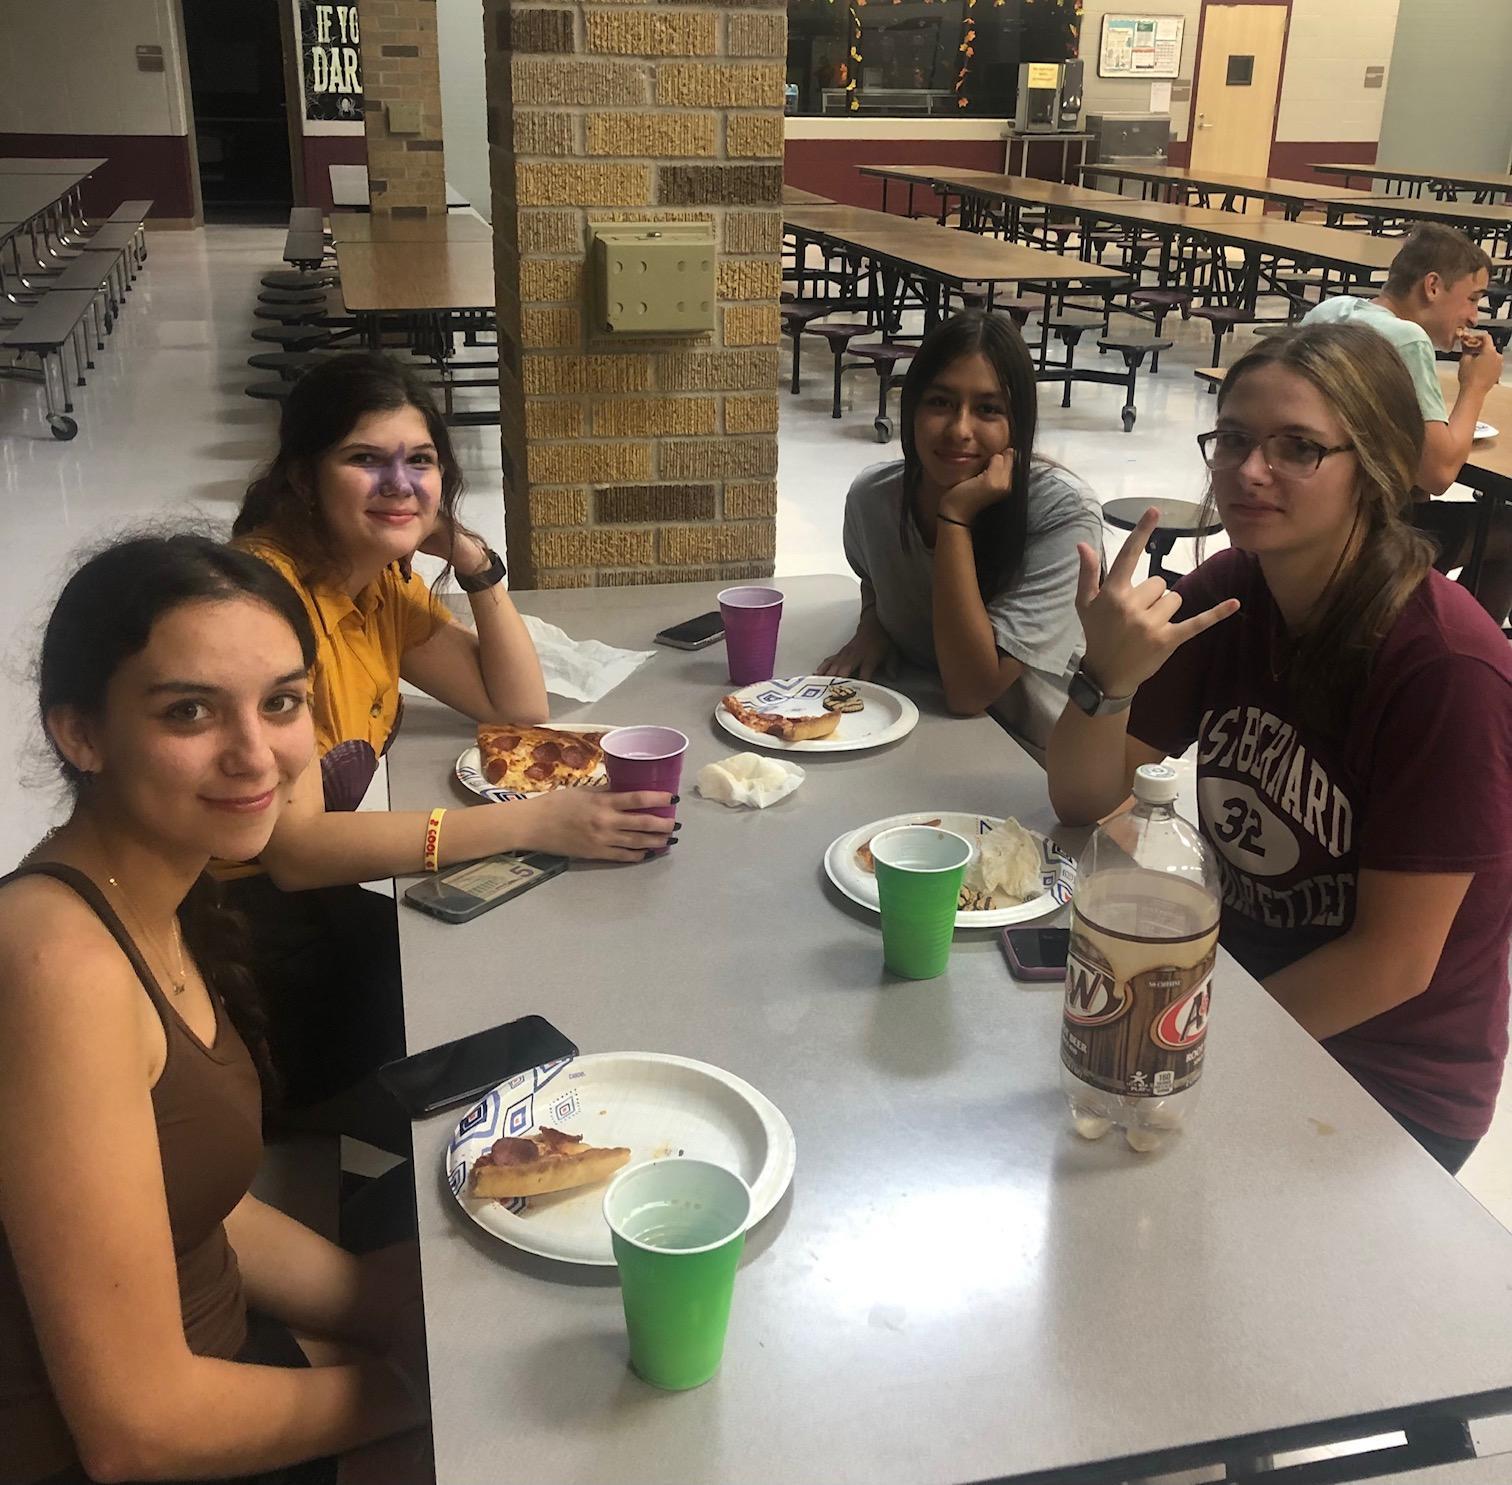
x=676, y=798
x=671, y=840
x=677, y=827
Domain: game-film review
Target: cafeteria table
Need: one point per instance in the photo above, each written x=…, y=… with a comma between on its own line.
x=913, y=260
x=349, y=189
x=364, y=226
x=437, y=291
x=1482, y=184
x=793, y=196
x=1477, y=219
x=956, y=1288
x=1233, y=187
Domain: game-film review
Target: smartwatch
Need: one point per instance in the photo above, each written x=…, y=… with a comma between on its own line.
x=1088, y=695
x=490, y=577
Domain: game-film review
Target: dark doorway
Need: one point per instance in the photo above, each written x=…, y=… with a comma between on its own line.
x=236, y=77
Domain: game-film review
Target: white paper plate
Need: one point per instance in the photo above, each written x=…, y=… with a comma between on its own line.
x=1485, y=430
x=470, y=768
x=1058, y=875
x=654, y=1103
x=885, y=717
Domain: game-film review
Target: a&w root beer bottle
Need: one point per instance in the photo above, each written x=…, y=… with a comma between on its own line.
x=1144, y=935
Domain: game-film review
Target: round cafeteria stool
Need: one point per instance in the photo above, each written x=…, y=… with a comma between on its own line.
x=1160, y=302
x=290, y=365
x=293, y=337
x=1223, y=318
x=292, y=278
x=293, y=296
x=1178, y=519
x=269, y=391
x=795, y=319
x=884, y=358
x=839, y=338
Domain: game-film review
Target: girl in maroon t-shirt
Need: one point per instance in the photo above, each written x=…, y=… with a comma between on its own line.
x=1352, y=714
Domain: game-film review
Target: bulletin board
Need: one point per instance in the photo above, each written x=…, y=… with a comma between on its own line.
x=1140, y=45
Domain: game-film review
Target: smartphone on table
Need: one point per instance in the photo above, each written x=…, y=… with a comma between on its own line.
x=463, y=892
x=695, y=633
x=464, y=1070
x=1036, y=953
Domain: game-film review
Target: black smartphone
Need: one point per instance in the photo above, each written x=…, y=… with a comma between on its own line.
x=464, y=1070
x=1036, y=953
x=460, y=894
x=694, y=634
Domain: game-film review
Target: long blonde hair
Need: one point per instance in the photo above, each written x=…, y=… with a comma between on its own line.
x=1362, y=378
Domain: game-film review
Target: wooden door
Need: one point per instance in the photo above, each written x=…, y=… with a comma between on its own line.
x=1239, y=75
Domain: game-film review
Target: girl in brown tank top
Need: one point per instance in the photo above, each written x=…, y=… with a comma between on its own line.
x=138, y=1277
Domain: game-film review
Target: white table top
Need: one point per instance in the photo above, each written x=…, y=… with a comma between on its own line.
x=956, y=1288
x=349, y=188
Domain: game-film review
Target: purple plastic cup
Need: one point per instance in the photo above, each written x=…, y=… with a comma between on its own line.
x=651, y=758
x=751, y=617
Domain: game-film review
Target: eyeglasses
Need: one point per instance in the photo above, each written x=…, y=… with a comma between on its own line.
x=1285, y=454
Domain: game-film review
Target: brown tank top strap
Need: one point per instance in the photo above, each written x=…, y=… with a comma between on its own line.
x=72, y=877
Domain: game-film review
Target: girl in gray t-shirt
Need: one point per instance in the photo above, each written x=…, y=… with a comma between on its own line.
x=966, y=547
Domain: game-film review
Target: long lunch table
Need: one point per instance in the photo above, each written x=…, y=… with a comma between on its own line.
x=1260, y=239
x=913, y=176
x=1443, y=182
x=363, y=226
x=956, y=1288
x=912, y=257
x=1478, y=219
x=349, y=189
x=793, y=196
x=1232, y=187
x=441, y=289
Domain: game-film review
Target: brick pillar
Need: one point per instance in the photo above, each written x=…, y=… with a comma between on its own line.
x=401, y=107
x=650, y=460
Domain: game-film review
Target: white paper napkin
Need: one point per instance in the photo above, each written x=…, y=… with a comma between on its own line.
x=581, y=669
x=749, y=780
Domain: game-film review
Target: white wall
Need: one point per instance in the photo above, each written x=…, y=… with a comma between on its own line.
x=1132, y=94
x=1447, y=99
x=464, y=108
x=69, y=67
x=1323, y=92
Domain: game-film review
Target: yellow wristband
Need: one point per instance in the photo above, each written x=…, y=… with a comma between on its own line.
x=433, y=841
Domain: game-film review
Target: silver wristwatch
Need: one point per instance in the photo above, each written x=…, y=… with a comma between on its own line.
x=1089, y=696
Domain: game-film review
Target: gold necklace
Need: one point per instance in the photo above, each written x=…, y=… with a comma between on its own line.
x=178, y=939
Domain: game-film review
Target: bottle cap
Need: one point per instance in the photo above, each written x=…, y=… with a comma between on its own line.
x=1156, y=783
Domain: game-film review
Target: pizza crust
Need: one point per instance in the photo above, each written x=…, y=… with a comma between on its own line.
x=785, y=729
x=540, y=1163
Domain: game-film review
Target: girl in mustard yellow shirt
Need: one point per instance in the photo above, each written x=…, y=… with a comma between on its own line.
x=365, y=478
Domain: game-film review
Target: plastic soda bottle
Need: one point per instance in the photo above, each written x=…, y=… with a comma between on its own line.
x=1144, y=937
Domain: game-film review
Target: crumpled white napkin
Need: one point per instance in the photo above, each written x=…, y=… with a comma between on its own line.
x=582, y=669
x=749, y=780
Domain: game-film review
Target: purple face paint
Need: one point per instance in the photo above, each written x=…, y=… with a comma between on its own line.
x=394, y=476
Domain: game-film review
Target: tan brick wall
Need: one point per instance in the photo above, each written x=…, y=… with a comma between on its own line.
x=406, y=171
x=651, y=460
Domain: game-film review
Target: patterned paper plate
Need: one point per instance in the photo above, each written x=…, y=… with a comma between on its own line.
x=884, y=718
x=651, y=1102
x=1058, y=876
x=1485, y=430
x=470, y=768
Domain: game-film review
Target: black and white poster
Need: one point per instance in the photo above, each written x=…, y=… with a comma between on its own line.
x=331, y=60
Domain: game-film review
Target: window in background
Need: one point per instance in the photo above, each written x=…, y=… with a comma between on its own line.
x=920, y=58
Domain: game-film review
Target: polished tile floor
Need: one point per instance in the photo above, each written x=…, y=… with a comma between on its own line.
x=167, y=438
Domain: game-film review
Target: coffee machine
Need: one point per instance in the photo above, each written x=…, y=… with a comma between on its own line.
x=1049, y=98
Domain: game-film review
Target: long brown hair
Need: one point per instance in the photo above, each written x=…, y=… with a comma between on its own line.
x=326, y=404
x=999, y=533
x=1362, y=378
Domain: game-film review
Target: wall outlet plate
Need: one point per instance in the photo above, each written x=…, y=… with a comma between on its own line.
x=403, y=118
x=652, y=278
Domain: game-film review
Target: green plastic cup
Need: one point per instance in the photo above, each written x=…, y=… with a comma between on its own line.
x=679, y=1229
x=919, y=873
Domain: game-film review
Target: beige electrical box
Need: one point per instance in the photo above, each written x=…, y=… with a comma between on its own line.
x=653, y=278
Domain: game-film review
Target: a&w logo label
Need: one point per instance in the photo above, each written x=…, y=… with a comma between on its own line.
x=1183, y=1023
x=1094, y=997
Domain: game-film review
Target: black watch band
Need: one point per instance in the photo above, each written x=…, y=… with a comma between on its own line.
x=490, y=577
